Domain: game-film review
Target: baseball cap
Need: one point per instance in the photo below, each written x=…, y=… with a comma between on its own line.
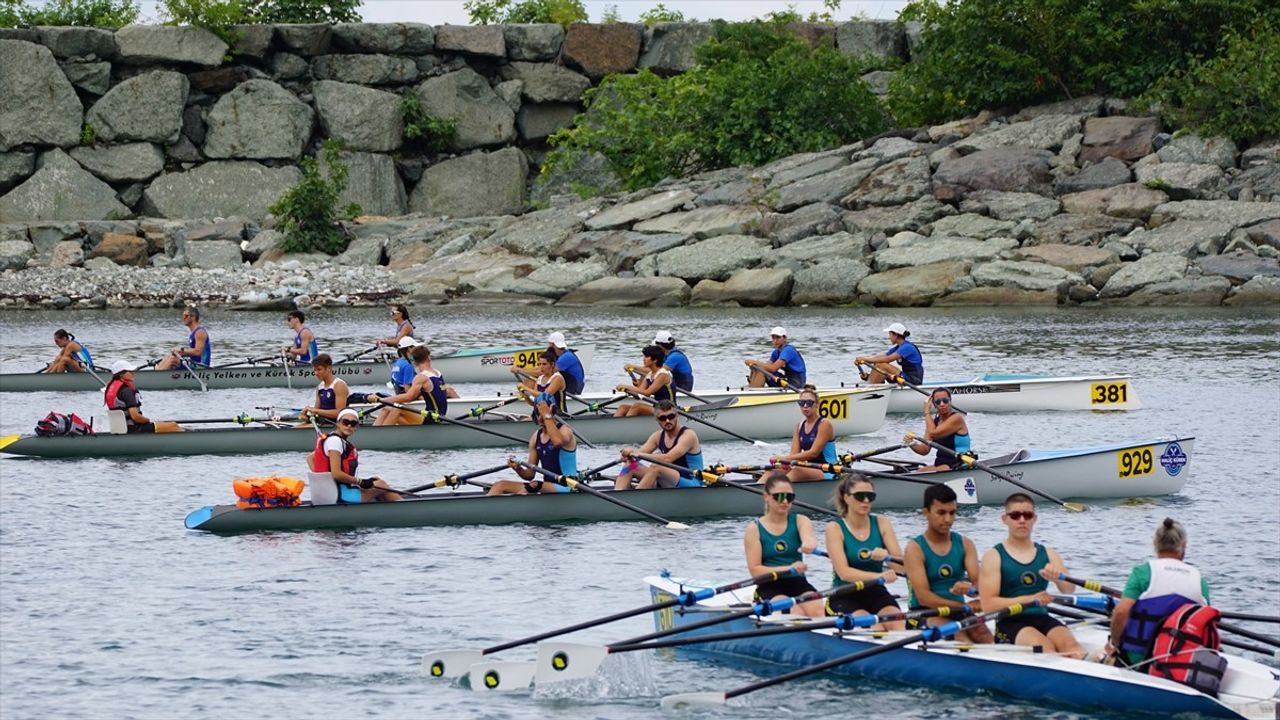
x=663, y=337
x=120, y=366
x=407, y=342
x=897, y=329
x=779, y=331
x=557, y=339
x=349, y=413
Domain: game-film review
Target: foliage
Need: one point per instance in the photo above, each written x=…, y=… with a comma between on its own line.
x=88, y=134
x=430, y=134
x=216, y=16
x=660, y=13
x=11, y=13
x=610, y=14
x=304, y=11
x=561, y=12
x=757, y=94
x=79, y=13
x=792, y=15
x=308, y=211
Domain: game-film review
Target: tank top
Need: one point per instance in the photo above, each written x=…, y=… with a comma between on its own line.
x=942, y=571
x=83, y=354
x=402, y=373
x=1017, y=579
x=313, y=348
x=434, y=393
x=400, y=328
x=958, y=442
x=206, y=355
x=681, y=370
x=327, y=396
x=779, y=550
x=544, y=381
x=910, y=361
x=668, y=392
x=553, y=458
x=858, y=552
x=807, y=438
x=693, y=461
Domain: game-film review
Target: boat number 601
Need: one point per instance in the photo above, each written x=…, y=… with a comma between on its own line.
x=1134, y=462
x=834, y=408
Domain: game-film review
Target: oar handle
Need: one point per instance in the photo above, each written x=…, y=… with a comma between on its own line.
x=1092, y=585
x=708, y=423
x=574, y=484
x=850, y=458
x=968, y=459
x=455, y=480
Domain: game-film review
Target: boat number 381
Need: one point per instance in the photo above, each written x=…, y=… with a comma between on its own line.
x=1109, y=393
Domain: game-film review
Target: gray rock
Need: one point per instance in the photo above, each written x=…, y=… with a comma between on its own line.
x=1236, y=213
x=14, y=231
x=894, y=183
x=1108, y=173
x=761, y=287
x=1184, y=237
x=1025, y=276
x=1192, y=148
x=817, y=166
x=590, y=171
x=223, y=230
x=1264, y=151
x=619, y=249
x=1000, y=296
x=889, y=220
x=510, y=91
x=630, y=292
x=97, y=230
x=815, y=219
x=883, y=40
x=373, y=184
x=155, y=44
x=287, y=66
x=832, y=282
x=879, y=80
x=823, y=248
x=1239, y=267
x=263, y=242
x=396, y=38
x=1263, y=180
x=365, y=69
x=546, y=83
x=1125, y=138
x=555, y=279
x=716, y=258
x=213, y=254
x=146, y=107
x=121, y=163
x=1132, y=200
x=1182, y=181
x=479, y=269
x=14, y=254
x=1085, y=105
x=448, y=188
x=967, y=225
x=745, y=190
x=40, y=107
x=625, y=214
x=1265, y=233
x=538, y=233
x=913, y=286
x=259, y=120
x=60, y=190
x=1010, y=205
x=183, y=151
x=68, y=253
x=15, y=167
x=78, y=42
x=252, y=41
x=1046, y=132
x=483, y=118
x=1073, y=258
x=361, y=118
x=1183, y=291
x=671, y=48
x=537, y=122
x=706, y=222
x=93, y=78
x=100, y=264
x=46, y=235
x=940, y=250
x=305, y=40
x=828, y=187
x=482, y=40
x=1158, y=267
x=1258, y=291
x=220, y=188
x=533, y=43
x=891, y=148
x=1002, y=168
x=364, y=252
x=1073, y=229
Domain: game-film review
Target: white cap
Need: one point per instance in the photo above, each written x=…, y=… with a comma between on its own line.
x=348, y=412
x=407, y=342
x=779, y=331
x=663, y=337
x=557, y=339
x=120, y=366
x=897, y=329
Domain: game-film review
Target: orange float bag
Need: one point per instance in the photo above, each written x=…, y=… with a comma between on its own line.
x=268, y=492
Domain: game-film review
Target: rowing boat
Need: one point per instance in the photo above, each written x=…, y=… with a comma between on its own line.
x=1088, y=473
x=463, y=366
x=765, y=416
x=1248, y=689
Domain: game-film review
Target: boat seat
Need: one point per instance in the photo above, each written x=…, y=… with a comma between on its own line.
x=326, y=491
x=116, y=422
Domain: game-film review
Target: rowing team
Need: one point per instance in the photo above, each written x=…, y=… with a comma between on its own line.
x=943, y=570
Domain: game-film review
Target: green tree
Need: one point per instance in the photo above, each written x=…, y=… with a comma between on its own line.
x=562, y=12
x=610, y=14
x=305, y=11
x=10, y=13
x=79, y=13
x=660, y=13
x=308, y=212
x=217, y=16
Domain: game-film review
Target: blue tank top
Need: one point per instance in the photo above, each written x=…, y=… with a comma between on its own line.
x=681, y=370
x=83, y=354
x=910, y=361
x=402, y=373
x=206, y=356
x=436, y=397
x=958, y=442
x=779, y=550
x=829, y=454
x=327, y=396
x=942, y=571
x=1017, y=579
x=692, y=461
x=858, y=552
x=313, y=348
x=555, y=459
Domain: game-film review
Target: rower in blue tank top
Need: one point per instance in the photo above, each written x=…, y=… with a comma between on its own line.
x=305, y=347
x=777, y=541
x=813, y=441
x=673, y=444
x=860, y=545
x=785, y=364
x=945, y=426
x=199, y=349
x=567, y=362
x=552, y=447
x=73, y=355
x=675, y=361
x=402, y=370
x=941, y=565
x=910, y=365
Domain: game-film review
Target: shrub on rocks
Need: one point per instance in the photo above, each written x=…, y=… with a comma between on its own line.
x=308, y=212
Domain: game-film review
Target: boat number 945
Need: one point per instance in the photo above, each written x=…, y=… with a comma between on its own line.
x=1109, y=393
x=526, y=358
x=834, y=408
x=1135, y=462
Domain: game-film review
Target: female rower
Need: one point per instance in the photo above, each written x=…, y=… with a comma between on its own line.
x=404, y=327
x=775, y=542
x=552, y=447
x=428, y=385
x=859, y=544
x=304, y=348
x=812, y=441
x=122, y=394
x=331, y=393
x=72, y=355
x=657, y=383
x=945, y=426
x=336, y=454
x=549, y=381
x=903, y=351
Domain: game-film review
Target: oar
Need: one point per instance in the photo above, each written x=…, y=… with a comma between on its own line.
x=456, y=663
x=148, y=364
x=241, y=419
x=900, y=381
x=708, y=423
x=1106, y=603
x=355, y=354
x=964, y=494
x=929, y=634
x=968, y=459
x=249, y=361
x=288, y=373
x=574, y=484
x=455, y=480
x=476, y=412
x=596, y=407
x=1111, y=592
x=437, y=417
x=850, y=458
x=716, y=476
x=1088, y=608
x=635, y=378
x=192, y=370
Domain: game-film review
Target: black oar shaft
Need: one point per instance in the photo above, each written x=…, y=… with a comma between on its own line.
x=441, y=418
x=453, y=480
x=1250, y=617
x=708, y=423
x=968, y=459
x=574, y=484
x=901, y=381
x=1082, y=612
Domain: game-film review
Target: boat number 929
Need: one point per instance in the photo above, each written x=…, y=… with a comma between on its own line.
x=1109, y=393
x=1135, y=462
x=526, y=358
x=834, y=408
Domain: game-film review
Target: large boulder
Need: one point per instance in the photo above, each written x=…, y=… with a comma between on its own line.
x=619, y=249
x=121, y=163
x=1073, y=229
x=483, y=118
x=213, y=254
x=602, y=49
x=716, y=258
x=1183, y=291
x=477, y=269
x=122, y=249
x=40, y=106
x=480, y=40
x=759, y=287
x=15, y=167
x=156, y=44
x=1024, y=275
x=941, y=250
x=627, y=213
x=305, y=39
x=1108, y=173
x=61, y=190
x=913, y=286
x=1262, y=291
x=705, y=222
x=1192, y=148
x=1073, y=258
x=1001, y=168
x=890, y=220
x=799, y=171
x=821, y=249
x=146, y=107
x=1047, y=132
x=1132, y=200
x=894, y=183
x=1182, y=181
x=1262, y=181
x=969, y=225
x=1182, y=237
x=365, y=69
x=1158, y=267
x=815, y=219
x=450, y=187
x=827, y=187
x=883, y=40
x=630, y=292
x=1124, y=138
x=537, y=122
x=554, y=280
x=373, y=184
x=533, y=42
x=1239, y=267
x=93, y=78
x=539, y=233
x=546, y=83
x=68, y=253
x=78, y=42
x=259, y=120
x=671, y=48
x=831, y=282
x=359, y=117
x=398, y=38
x=14, y=254
x=220, y=188
x=1010, y=205
x=1237, y=213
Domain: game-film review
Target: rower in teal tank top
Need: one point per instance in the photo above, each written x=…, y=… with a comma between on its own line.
x=858, y=552
x=780, y=550
x=943, y=571
x=1017, y=579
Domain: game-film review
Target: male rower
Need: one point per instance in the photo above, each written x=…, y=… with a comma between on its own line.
x=336, y=454
x=199, y=349
x=675, y=361
x=73, y=356
x=428, y=385
x=304, y=347
x=331, y=393
x=942, y=565
x=552, y=447
x=674, y=443
x=784, y=362
x=902, y=351
x=1017, y=571
x=567, y=363
x=121, y=394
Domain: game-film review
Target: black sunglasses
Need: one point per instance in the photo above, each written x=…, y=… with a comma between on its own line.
x=864, y=495
x=784, y=497
x=349, y=423
x=941, y=401
x=665, y=418
x=806, y=403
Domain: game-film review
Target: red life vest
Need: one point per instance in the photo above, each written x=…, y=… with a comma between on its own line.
x=320, y=459
x=1186, y=649
x=268, y=492
x=112, y=390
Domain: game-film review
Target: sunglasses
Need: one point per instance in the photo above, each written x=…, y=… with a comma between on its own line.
x=864, y=496
x=1021, y=514
x=666, y=418
x=349, y=423
x=784, y=497
x=806, y=403
x=941, y=401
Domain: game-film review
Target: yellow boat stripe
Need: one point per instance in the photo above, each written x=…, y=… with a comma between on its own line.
x=8, y=440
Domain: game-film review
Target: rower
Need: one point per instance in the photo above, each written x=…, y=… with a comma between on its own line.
x=904, y=352
x=402, y=371
x=813, y=440
x=305, y=347
x=552, y=447
x=73, y=356
x=775, y=541
x=657, y=383
x=858, y=544
x=199, y=349
x=122, y=394
x=1154, y=590
x=331, y=393
x=673, y=443
x=428, y=385
x=336, y=454
x=675, y=361
x=942, y=565
x=1017, y=571
x=784, y=361
x=567, y=363
x=945, y=426
x=404, y=328
x=549, y=381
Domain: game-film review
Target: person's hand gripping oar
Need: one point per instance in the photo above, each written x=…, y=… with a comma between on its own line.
x=968, y=459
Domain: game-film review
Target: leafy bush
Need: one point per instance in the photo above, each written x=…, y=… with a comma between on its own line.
x=79, y=13
x=430, y=134
x=757, y=94
x=217, y=16
x=660, y=13
x=304, y=11
x=610, y=14
x=10, y=13
x=308, y=212
x=562, y=12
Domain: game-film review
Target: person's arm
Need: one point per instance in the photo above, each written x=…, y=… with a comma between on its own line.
x=989, y=583
x=808, y=541
x=890, y=539
x=135, y=414
x=951, y=426
x=1137, y=583
x=414, y=392
x=1054, y=570
x=562, y=437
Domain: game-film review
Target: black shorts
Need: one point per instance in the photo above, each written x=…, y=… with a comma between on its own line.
x=870, y=600
x=141, y=429
x=789, y=586
x=1007, y=629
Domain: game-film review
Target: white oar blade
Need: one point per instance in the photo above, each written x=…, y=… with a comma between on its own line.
x=448, y=664
x=673, y=525
x=966, y=490
x=563, y=661
x=498, y=676
x=692, y=700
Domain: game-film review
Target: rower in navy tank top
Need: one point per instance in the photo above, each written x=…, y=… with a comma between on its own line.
x=199, y=349
x=944, y=426
x=813, y=441
x=332, y=393
x=552, y=447
x=304, y=348
x=673, y=444
x=428, y=386
x=657, y=384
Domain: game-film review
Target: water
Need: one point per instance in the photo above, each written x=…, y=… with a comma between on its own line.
x=109, y=608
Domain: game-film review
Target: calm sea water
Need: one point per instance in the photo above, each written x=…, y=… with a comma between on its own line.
x=109, y=608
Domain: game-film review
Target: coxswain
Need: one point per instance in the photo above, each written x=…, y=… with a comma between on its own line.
x=122, y=394
x=777, y=541
x=73, y=356
x=404, y=328
x=784, y=362
x=675, y=361
x=813, y=440
x=673, y=443
x=336, y=454
x=428, y=385
x=860, y=544
x=331, y=393
x=552, y=447
x=656, y=383
x=549, y=381
x=941, y=565
x=903, y=352
x=945, y=426
x=199, y=349
x=304, y=348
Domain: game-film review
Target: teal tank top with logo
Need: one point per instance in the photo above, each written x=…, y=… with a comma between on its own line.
x=858, y=552
x=1017, y=579
x=780, y=550
x=943, y=571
